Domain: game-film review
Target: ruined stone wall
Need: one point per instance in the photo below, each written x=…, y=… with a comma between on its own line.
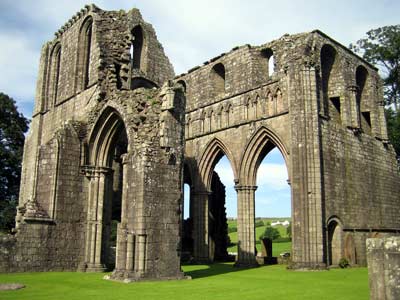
x=360, y=171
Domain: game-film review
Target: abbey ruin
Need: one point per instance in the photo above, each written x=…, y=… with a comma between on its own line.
x=115, y=135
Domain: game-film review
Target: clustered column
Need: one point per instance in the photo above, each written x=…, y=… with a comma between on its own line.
x=97, y=187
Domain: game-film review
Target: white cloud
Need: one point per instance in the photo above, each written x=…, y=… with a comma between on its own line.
x=18, y=64
x=191, y=31
x=272, y=175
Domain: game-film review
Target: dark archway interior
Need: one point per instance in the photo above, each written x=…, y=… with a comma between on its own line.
x=113, y=197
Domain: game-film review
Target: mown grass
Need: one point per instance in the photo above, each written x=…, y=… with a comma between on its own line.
x=217, y=281
x=278, y=247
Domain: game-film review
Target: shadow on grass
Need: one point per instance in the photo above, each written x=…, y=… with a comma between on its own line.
x=213, y=270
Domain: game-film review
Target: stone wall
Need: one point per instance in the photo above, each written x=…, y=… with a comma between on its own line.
x=383, y=256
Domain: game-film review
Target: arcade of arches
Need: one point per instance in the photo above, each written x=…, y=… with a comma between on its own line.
x=115, y=135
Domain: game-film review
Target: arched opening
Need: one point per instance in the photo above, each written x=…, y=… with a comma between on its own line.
x=268, y=62
x=54, y=75
x=335, y=249
x=217, y=173
x=330, y=78
x=273, y=206
x=187, y=217
x=107, y=146
x=136, y=47
x=362, y=105
x=84, y=55
x=141, y=82
x=259, y=146
x=182, y=83
x=218, y=79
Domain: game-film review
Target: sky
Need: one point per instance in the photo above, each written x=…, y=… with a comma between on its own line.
x=191, y=31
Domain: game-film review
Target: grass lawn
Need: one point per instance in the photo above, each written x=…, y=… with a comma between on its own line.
x=217, y=281
x=277, y=247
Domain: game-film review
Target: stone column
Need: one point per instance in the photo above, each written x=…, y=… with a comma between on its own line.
x=354, y=110
x=383, y=257
x=246, y=226
x=200, y=226
x=97, y=189
x=382, y=132
x=308, y=248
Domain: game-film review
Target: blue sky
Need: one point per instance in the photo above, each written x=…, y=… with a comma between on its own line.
x=191, y=32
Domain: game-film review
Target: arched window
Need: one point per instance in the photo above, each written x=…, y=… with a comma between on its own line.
x=136, y=47
x=330, y=77
x=269, y=61
x=55, y=63
x=218, y=79
x=84, y=54
x=362, y=107
x=182, y=83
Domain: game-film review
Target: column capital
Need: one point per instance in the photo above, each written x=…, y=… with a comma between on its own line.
x=352, y=88
x=239, y=187
x=201, y=192
x=95, y=171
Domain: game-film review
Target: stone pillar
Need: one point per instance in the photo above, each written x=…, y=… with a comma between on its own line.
x=354, y=107
x=246, y=226
x=382, y=128
x=120, y=259
x=383, y=257
x=97, y=189
x=200, y=226
x=308, y=248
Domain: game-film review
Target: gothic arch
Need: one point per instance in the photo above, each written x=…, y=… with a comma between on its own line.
x=54, y=76
x=83, y=78
x=107, y=143
x=109, y=126
x=259, y=145
x=211, y=155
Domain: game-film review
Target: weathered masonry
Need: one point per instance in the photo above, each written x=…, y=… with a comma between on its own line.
x=113, y=138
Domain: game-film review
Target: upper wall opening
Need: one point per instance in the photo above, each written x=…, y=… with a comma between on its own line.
x=217, y=78
x=268, y=62
x=136, y=51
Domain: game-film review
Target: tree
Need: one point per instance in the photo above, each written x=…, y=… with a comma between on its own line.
x=270, y=233
x=13, y=125
x=381, y=47
x=393, y=124
x=289, y=231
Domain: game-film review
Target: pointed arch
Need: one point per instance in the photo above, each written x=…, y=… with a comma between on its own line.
x=83, y=75
x=259, y=145
x=108, y=130
x=213, y=152
x=54, y=73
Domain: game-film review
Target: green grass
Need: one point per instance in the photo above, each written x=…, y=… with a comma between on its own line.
x=277, y=247
x=218, y=281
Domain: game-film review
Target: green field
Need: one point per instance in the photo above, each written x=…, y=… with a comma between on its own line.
x=277, y=247
x=217, y=281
